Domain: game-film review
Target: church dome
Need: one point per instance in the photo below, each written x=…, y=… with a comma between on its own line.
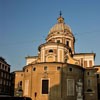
x=60, y=26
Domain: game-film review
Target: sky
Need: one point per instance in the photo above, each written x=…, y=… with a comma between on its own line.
x=24, y=25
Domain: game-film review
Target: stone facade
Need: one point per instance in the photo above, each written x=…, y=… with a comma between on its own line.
x=57, y=72
x=5, y=77
x=18, y=82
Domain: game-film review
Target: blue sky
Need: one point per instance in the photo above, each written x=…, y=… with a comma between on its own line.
x=24, y=25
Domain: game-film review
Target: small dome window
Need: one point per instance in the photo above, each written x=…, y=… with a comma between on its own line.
x=50, y=50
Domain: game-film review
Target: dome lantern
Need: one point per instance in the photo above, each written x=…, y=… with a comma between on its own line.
x=60, y=19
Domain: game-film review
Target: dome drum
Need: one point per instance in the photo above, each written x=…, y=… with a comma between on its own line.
x=62, y=34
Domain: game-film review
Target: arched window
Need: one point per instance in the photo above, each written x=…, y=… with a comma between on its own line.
x=34, y=68
x=67, y=43
x=50, y=58
x=88, y=73
x=26, y=70
x=20, y=83
x=50, y=50
x=89, y=90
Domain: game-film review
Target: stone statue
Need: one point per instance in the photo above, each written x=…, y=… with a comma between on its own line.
x=79, y=90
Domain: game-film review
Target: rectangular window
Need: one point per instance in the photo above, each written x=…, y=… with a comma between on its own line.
x=90, y=63
x=0, y=65
x=0, y=81
x=45, y=86
x=97, y=75
x=85, y=63
x=81, y=61
x=70, y=87
x=58, y=41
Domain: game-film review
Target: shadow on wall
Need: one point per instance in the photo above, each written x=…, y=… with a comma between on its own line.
x=70, y=76
x=55, y=93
